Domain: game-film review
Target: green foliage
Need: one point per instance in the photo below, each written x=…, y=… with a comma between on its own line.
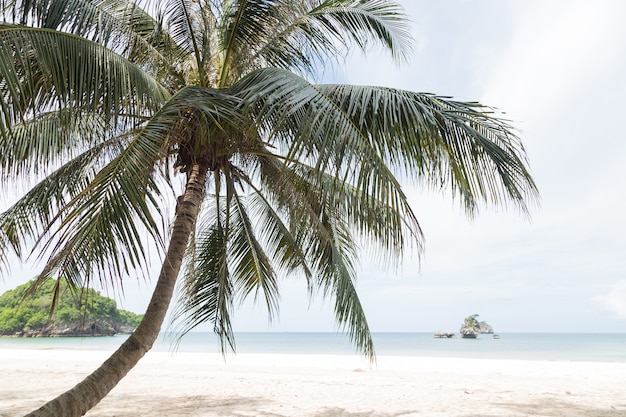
x=471, y=322
x=20, y=310
x=129, y=318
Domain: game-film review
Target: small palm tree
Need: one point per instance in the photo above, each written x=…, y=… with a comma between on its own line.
x=110, y=107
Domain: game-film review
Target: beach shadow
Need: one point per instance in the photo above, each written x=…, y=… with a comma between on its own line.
x=181, y=406
x=553, y=408
x=340, y=412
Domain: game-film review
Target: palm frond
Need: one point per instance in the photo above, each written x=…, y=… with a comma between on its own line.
x=31, y=216
x=321, y=233
x=252, y=270
x=309, y=126
x=120, y=25
x=43, y=70
x=47, y=140
x=243, y=24
x=185, y=20
x=330, y=246
x=365, y=21
x=299, y=35
x=443, y=142
x=285, y=251
x=349, y=310
x=100, y=231
x=97, y=221
x=207, y=292
x=385, y=224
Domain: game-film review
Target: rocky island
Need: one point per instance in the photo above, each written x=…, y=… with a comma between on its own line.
x=471, y=327
x=82, y=313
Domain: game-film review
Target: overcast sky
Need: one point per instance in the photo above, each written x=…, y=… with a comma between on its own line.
x=557, y=69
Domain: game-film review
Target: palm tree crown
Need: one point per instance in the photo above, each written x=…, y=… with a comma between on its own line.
x=110, y=103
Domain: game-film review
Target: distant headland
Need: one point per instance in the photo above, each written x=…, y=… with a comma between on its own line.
x=76, y=313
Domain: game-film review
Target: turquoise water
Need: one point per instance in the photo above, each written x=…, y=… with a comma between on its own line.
x=604, y=347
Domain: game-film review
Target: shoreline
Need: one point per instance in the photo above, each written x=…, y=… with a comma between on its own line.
x=190, y=384
x=525, y=346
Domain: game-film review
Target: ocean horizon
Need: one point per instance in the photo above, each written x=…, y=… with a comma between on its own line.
x=594, y=347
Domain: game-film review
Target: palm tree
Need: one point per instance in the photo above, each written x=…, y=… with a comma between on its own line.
x=108, y=108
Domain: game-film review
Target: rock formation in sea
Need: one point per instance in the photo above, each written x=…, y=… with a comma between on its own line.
x=471, y=327
x=485, y=328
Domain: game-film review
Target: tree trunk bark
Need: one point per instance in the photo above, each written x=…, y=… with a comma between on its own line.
x=89, y=392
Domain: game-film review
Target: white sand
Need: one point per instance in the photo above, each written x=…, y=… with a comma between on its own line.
x=189, y=384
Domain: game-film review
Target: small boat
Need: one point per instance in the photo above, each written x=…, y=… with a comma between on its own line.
x=496, y=336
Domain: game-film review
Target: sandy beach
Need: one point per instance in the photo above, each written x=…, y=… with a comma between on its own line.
x=198, y=384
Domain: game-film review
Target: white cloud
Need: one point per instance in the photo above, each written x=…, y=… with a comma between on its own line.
x=615, y=300
x=557, y=47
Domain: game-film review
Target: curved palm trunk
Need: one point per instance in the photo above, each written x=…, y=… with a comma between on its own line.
x=89, y=392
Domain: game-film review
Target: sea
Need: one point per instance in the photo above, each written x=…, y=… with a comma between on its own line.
x=595, y=347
